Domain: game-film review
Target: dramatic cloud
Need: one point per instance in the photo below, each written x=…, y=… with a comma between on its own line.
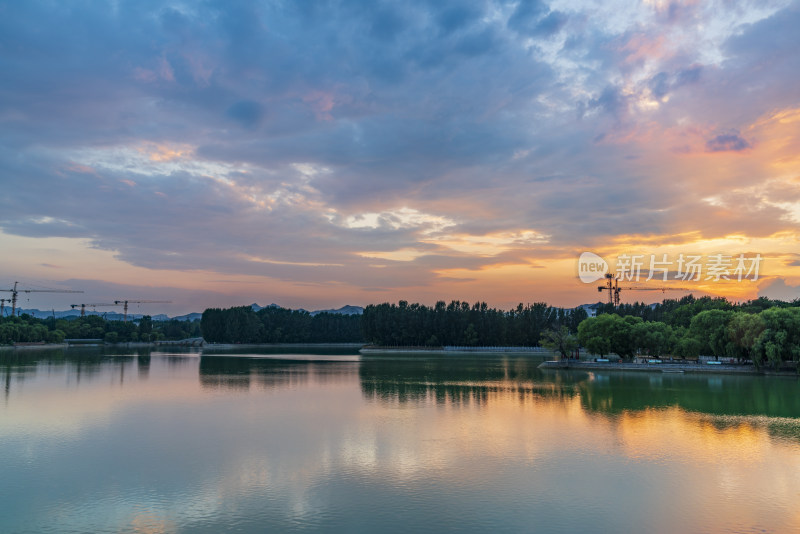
x=727, y=142
x=344, y=152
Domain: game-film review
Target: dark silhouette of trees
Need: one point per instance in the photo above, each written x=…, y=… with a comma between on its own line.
x=28, y=329
x=278, y=325
x=460, y=324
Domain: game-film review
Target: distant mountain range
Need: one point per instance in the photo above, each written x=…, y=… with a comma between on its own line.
x=115, y=316
x=110, y=316
x=344, y=310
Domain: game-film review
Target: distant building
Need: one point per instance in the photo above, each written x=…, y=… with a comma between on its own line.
x=591, y=309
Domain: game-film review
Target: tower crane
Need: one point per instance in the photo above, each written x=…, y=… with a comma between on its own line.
x=613, y=288
x=125, y=305
x=14, y=291
x=83, y=307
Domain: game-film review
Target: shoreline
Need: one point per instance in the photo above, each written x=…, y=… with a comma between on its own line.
x=182, y=344
x=374, y=350
x=127, y=345
x=665, y=368
x=229, y=346
x=522, y=351
x=39, y=346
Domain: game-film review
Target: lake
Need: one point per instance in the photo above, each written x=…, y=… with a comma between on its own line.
x=99, y=440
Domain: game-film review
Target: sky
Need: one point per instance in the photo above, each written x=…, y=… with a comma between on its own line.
x=322, y=153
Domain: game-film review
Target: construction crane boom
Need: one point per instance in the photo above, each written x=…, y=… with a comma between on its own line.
x=14, y=291
x=125, y=305
x=83, y=307
x=613, y=288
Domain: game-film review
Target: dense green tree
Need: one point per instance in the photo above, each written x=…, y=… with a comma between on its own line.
x=710, y=327
x=55, y=336
x=654, y=338
x=213, y=325
x=623, y=341
x=687, y=346
x=559, y=340
x=609, y=333
x=594, y=335
x=780, y=339
x=145, y=327
x=111, y=337
x=743, y=331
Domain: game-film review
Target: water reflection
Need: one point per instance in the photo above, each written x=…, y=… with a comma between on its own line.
x=418, y=379
x=173, y=441
x=85, y=364
x=284, y=351
x=143, y=365
x=461, y=380
x=226, y=372
x=724, y=395
x=443, y=380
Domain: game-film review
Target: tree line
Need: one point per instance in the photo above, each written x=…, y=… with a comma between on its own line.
x=28, y=329
x=763, y=331
x=462, y=324
x=278, y=325
x=679, y=312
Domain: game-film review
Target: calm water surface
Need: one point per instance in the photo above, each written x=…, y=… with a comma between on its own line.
x=97, y=441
